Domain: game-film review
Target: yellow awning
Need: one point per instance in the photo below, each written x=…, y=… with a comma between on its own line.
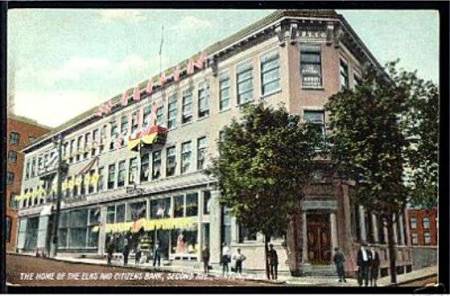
x=132, y=144
x=151, y=224
x=149, y=139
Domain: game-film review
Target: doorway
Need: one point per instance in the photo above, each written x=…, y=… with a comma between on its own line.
x=319, y=238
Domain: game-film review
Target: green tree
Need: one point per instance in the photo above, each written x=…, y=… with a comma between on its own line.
x=265, y=161
x=373, y=144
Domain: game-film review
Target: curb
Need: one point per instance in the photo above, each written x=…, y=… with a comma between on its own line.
x=413, y=280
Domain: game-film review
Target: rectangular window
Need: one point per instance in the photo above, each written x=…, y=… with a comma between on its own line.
x=145, y=167
x=95, y=137
x=110, y=214
x=203, y=101
x=311, y=66
x=132, y=171
x=8, y=229
x=87, y=140
x=186, y=153
x=343, y=71
x=156, y=165
x=33, y=166
x=114, y=130
x=187, y=107
x=12, y=156
x=191, y=204
x=202, y=146
x=91, y=185
x=426, y=223
x=160, y=208
x=172, y=112
x=427, y=238
x=111, y=176
x=178, y=207
x=414, y=239
x=72, y=147
x=137, y=210
x=270, y=73
x=121, y=174
x=124, y=125
x=134, y=121
x=206, y=202
x=244, y=80
x=14, y=138
x=13, y=201
x=9, y=178
x=147, y=115
x=317, y=118
x=101, y=179
x=160, y=116
x=357, y=79
x=413, y=222
x=27, y=170
x=171, y=161
x=224, y=92
x=120, y=213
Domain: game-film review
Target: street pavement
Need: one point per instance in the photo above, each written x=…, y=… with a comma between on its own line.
x=215, y=276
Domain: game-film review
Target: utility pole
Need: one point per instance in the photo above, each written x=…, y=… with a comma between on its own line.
x=59, y=170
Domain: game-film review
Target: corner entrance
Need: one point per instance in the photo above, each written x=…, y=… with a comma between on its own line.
x=319, y=238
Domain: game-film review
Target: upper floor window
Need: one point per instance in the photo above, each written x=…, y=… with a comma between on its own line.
x=427, y=238
x=95, y=137
x=9, y=178
x=13, y=204
x=357, y=79
x=186, y=154
x=413, y=222
x=72, y=146
x=156, y=164
x=244, y=79
x=114, y=130
x=315, y=117
x=187, y=107
x=134, y=121
x=270, y=73
x=34, y=166
x=121, y=174
x=172, y=112
x=124, y=125
x=343, y=74
x=202, y=146
x=147, y=115
x=8, y=228
x=171, y=161
x=145, y=167
x=31, y=139
x=101, y=179
x=132, y=171
x=191, y=204
x=203, y=101
x=27, y=170
x=14, y=138
x=224, y=91
x=311, y=66
x=111, y=175
x=426, y=223
x=160, y=116
x=414, y=239
x=12, y=156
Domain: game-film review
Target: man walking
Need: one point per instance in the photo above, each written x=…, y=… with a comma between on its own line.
x=226, y=258
x=157, y=255
x=339, y=260
x=374, y=267
x=272, y=257
x=205, y=259
x=110, y=246
x=363, y=260
x=239, y=258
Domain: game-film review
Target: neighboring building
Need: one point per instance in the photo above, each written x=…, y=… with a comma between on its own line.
x=21, y=132
x=295, y=57
x=423, y=227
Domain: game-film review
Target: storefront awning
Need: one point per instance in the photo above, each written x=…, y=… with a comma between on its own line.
x=146, y=136
x=151, y=224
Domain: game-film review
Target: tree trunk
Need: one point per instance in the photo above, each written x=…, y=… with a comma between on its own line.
x=266, y=252
x=392, y=249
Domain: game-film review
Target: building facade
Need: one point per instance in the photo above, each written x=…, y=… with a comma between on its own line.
x=423, y=227
x=136, y=164
x=21, y=132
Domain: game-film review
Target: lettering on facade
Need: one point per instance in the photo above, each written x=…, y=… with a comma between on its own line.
x=134, y=190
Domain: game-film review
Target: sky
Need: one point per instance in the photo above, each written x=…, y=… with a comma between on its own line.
x=64, y=62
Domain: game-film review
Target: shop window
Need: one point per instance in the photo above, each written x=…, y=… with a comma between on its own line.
x=343, y=71
x=110, y=214
x=171, y=163
x=311, y=66
x=94, y=221
x=270, y=73
x=160, y=208
x=145, y=167
x=156, y=165
x=244, y=80
x=191, y=204
x=172, y=112
x=178, y=209
x=206, y=202
x=137, y=210
x=202, y=146
x=186, y=155
x=203, y=101
x=224, y=92
x=184, y=242
x=132, y=171
x=187, y=107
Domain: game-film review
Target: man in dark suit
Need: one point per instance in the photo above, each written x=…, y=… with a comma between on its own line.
x=374, y=267
x=363, y=262
x=272, y=257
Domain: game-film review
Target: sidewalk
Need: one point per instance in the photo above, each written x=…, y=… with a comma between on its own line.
x=260, y=277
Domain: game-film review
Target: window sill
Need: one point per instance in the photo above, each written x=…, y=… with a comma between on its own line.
x=225, y=110
x=187, y=123
x=277, y=91
x=313, y=88
x=242, y=105
x=203, y=118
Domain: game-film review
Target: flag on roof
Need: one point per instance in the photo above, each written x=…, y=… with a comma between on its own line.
x=149, y=88
x=137, y=94
x=176, y=73
x=124, y=100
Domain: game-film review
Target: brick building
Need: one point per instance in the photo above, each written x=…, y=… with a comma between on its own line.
x=21, y=132
x=127, y=175
x=423, y=227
